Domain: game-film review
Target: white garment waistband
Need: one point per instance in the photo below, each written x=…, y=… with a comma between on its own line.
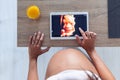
x=75, y=75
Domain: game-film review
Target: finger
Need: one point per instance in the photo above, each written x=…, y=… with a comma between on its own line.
x=34, y=37
x=83, y=33
x=30, y=40
x=93, y=35
x=38, y=38
x=41, y=39
x=62, y=31
x=78, y=40
x=88, y=34
x=45, y=50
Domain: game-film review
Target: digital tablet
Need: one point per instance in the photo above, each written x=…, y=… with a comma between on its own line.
x=65, y=25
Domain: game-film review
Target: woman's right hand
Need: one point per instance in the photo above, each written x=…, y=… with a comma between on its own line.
x=35, y=44
x=88, y=41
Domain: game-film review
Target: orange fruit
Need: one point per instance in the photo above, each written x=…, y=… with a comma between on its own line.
x=33, y=12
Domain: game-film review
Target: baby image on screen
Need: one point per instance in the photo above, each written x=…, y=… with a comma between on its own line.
x=66, y=26
x=67, y=23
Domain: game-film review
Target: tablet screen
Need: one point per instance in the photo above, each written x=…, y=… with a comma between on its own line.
x=65, y=25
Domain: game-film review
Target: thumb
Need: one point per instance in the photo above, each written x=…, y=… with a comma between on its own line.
x=45, y=50
x=79, y=41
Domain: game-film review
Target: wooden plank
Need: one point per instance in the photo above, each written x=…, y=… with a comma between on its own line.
x=97, y=20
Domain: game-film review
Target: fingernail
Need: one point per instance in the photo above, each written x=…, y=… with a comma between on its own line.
x=76, y=35
x=79, y=28
x=39, y=32
x=43, y=34
x=95, y=34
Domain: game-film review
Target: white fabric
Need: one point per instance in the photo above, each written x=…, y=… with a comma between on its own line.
x=72, y=75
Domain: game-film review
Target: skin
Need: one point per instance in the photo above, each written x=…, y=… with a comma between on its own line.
x=69, y=58
x=88, y=43
x=35, y=43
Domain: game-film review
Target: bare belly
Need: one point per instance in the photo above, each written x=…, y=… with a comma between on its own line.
x=69, y=59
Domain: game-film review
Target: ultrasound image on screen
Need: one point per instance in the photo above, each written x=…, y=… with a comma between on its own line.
x=68, y=25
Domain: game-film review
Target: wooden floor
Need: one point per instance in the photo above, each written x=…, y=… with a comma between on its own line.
x=98, y=22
